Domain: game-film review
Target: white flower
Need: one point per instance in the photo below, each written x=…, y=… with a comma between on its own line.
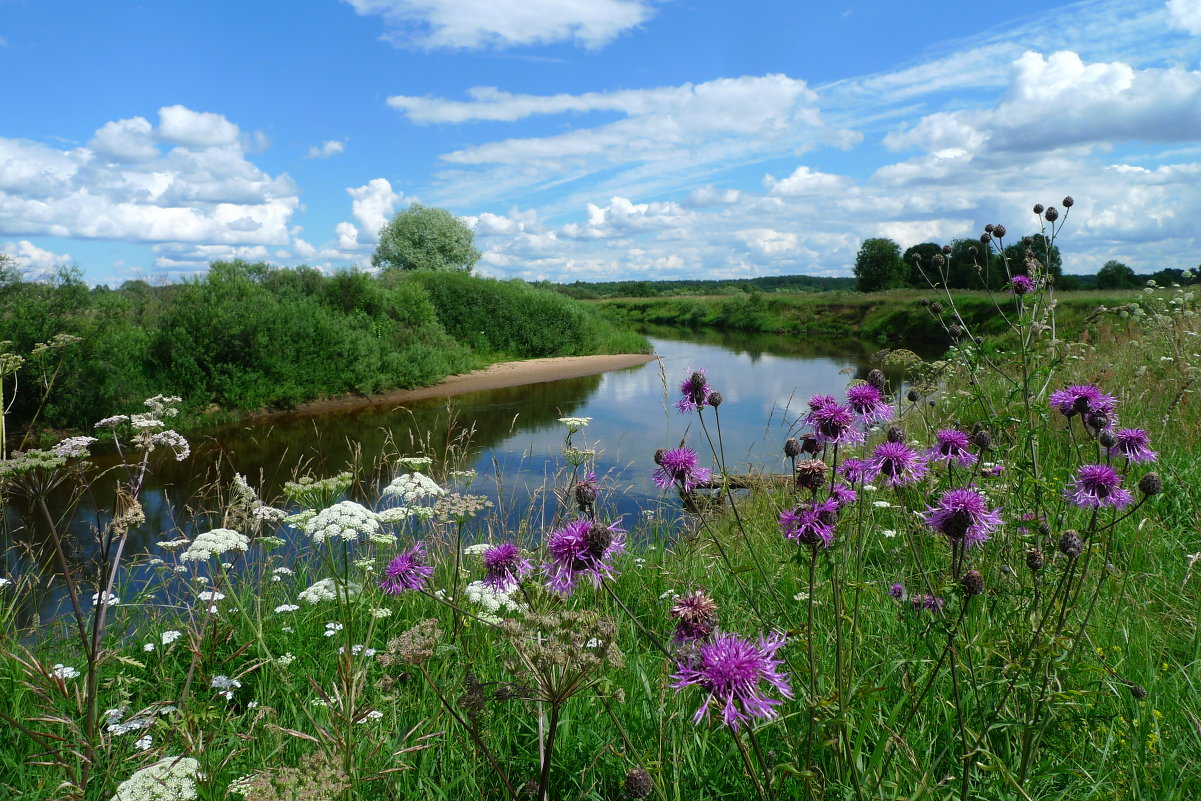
x=413, y=487
x=869, y=487
x=170, y=636
x=169, y=779
x=397, y=514
x=111, y=422
x=171, y=545
x=374, y=714
x=476, y=550
x=284, y=571
x=113, y=600
x=379, y=613
x=414, y=462
x=143, y=742
x=287, y=629
x=173, y=440
x=64, y=672
x=355, y=650
x=328, y=590
x=890, y=533
x=490, y=600
x=148, y=647
x=225, y=686
x=574, y=424
x=285, y=660
x=4, y=581
x=269, y=514
x=801, y=596
x=282, y=608
x=332, y=628
x=347, y=520
x=881, y=504
x=210, y=595
x=214, y=543
x=73, y=446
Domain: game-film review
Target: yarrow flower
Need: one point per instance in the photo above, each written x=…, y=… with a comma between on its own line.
x=582, y=547
x=963, y=515
x=1097, y=485
x=506, y=567
x=695, y=615
x=951, y=445
x=680, y=466
x=1082, y=399
x=898, y=463
x=407, y=571
x=1021, y=284
x=1134, y=444
x=732, y=671
x=214, y=543
x=345, y=520
x=574, y=424
x=694, y=392
x=413, y=487
x=811, y=523
x=868, y=402
x=169, y=779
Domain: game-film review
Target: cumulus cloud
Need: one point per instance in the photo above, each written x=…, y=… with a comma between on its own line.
x=330, y=147
x=373, y=205
x=32, y=259
x=711, y=196
x=183, y=126
x=804, y=181
x=1185, y=15
x=479, y=24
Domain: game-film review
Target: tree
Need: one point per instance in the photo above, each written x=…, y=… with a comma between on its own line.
x=1115, y=275
x=878, y=265
x=425, y=238
x=918, y=275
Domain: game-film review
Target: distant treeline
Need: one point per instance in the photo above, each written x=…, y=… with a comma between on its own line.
x=249, y=336
x=774, y=284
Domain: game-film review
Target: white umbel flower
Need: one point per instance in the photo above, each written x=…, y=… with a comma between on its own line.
x=574, y=424
x=346, y=520
x=214, y=543
x=413, y=487
x=169, y=779
x=328, y=590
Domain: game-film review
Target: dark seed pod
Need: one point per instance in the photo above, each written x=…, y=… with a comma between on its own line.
x=792, y=448
x=955, y=331
x=895, y=434
x=924, y=302
x=1150, y=484
x=982, y=439
x=978, y=340
x=1097, y=420
x=972, y=583
x=638, y=784
x=936, y=307
x=1068, y=202
x=972, y=251
x=585, y=495
x=1044, y=529
x=946, y=250
x=998, y=231
x=939, y=260
x=715, y=399
x=1107, y=440
x=1034, y=560
x=1027, y=241
x=598, y=539
x=916, y=258
x=1137, y=690
x=985, y=238
x=914, y=396
x=659, y=456
x=809, y=445
x=1051, y=214
x=876, y=379
x=810, y=474
x=988, y=228
x=1038, y=208
x=1070, y=544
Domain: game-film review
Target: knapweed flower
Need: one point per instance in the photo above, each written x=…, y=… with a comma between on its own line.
x=929, y=603
x=868, y=402
x=834, y=424
x=732, y=671
x=694, y=392
x=855, y=471
x=1021, y=285
x=1098, y=485
x=407, y=571
x=1134, y=444
x=581, y=548
x=842, y=495
x=811, y=523
x=695, y=615
x=951, y=446
x=897, y=591
x=898, y=463
x=506, y=567
x=680, y=466
x=963, y=515
x=1082, y=399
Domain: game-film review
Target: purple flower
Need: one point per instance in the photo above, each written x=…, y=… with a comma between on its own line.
x=996, y=471
x=506, y=567
x=930, y=603
x=842, y=495
x=695, y=615
x=834, y=424
x=694, y=392
x=407, y=571
x=963, y=515
x=732, y=670
x=951, y=446
x=679, y=466
x=869, y=403
x=811, y=523
x=1097, y=485
x=898, y=463
x=582, y=547
x=1134, y=444
x=1022, y=284
x=855, y=471
x=897, y=591
x=1083, y=399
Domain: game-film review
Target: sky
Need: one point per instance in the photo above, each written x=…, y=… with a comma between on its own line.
x=593, y=139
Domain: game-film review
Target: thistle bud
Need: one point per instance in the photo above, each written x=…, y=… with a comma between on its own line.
x=1137, y=690
x=876, y=378
x=810, y=445
x=982, y=439
x=1038, y=208
x=1051, y=214
x=1070, y=544
x=1034, y=560
x=792, y=448
x=936, y=307
x=638, y=784
x=598, y=539
x=715, y=399
x=895, y=434
x=924, y=302
x=1107, y=439
x=985, y=238
x=916, y=258
x=1068, y=202
x=988, y=228
x=998, y=231
x=939, y=260
x=1150, y=484
x=972, y=583
x=914, y=396
x=659, y=456
x=972, y=251
x=946, y=249
x=955, y=331
x=585, y=495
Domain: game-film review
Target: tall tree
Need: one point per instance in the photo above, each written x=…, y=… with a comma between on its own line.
x=425, y=238
x=1116, y=275
x=918, y=275
x=878, y=265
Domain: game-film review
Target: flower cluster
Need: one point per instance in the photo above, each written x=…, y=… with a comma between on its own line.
x=346, y=520
x=328, y=589
x=582, y=548
x=413, y=487
x=214, y=543
x=169, y=779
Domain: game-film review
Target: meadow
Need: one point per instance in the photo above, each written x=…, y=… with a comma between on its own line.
x=975, y=582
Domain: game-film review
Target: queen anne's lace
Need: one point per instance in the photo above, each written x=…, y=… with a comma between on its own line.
x=169, y=779
x=214, y=543
x=413, y=487
x=346, y=520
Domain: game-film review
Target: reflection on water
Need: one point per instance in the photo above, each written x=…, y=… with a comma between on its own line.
x=516, y=438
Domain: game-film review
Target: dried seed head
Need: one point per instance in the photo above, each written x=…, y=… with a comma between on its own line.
x=585, y=494
x=972, y=583
x=955, y=331
x=1107, y=440
x=1138, y=691
x=1038, y=208
x=1150, y=484
x=999, y=231
x=810, y=474
x=946, y=249
x=1070, y=544
x=659, y=456
x=982, y=439
x=638, y=784
x=972, y=251
x=988, y=228
x=715, y=399
x=876, y=378
x=894, y=434
x=936, y=307
x=1034, y=560
x=810, y=445
x=924, y=302
x=1051, y=214
x=939, y=260
x=598, y=539
x=985, y=238
x=792, y=448
x=916, y=258
x=1097, y=420
x=1068, y=202
x=913, y=395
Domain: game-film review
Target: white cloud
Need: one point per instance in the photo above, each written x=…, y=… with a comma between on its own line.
x=183, y=126
x=330, y=147
x=1185, y=15
x=711, y=196
x=805, y=181
x=767, y=242
x=476, y=24
x=34, y=260
x=129, y=140
x=373, y=205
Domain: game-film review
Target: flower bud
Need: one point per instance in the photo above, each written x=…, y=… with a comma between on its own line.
x=715, y=399
x=946, y=249
x=895, y=434
x=1051, y=214
x=792, y=448
x=876, y=378
x=988, y=228
x=1068, y=202
x=998, y=231
x=810, y=445
x=638, y=784
x=1034, y=560
x=659, y=456
x=1070, y=544
x=914, y=396
x=1107, y=439
x=1038, y=208
x=1150, y=484
x=985, y=238
x=936, y=307
x=955, y=331
x=972, y=583
x=1137, y=690
x=982, y=439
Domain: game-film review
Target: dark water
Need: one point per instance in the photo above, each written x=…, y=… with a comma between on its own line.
x=515, y=443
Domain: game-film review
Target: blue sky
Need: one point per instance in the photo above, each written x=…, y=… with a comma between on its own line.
x=593, y=139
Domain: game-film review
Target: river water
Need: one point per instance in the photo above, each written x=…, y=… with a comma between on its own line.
x=515, y=443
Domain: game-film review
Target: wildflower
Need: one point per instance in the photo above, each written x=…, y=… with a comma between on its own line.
x=144, y=742
x=731, y=671
x=169, y=779
x=328, y=589
x=490, y=599
x=868, y=402
x=582, y=548
x=1034, y=559
x=506, y=567
x=214, y=543
x=1021, y=285
x=345, y=520
x=574, y=424
x=810, y=474
x=951, y=446
x=64, y=672
x=413, y=487
x=1134, y=444
x=148, y=647
x=209, y=595
x=897, y=591
x=898, y=463
x=585, y=492
x=286, y=659
x=680, y=466
x=930, y=603
x=694, y=392
x=1082, y=399
x=407, y=571
x=111, y=599
x=811, y=523
x=963, y=516
x=72, y=447
x=1097, y=485
x=695, y=615
x=833, y=424
x=284, y=608
x=855, y=470
x=1070, y=544
x=170, y=636
x=842, y=495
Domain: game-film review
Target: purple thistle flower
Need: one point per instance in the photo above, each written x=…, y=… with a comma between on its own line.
x=581, y=548
x=834, y=424
x=963, y=515
x=1097, y=485
x=731, y=671
x=1021, y=285
x=1083, y=399
x=506, y=567
x=811, y=523
x=930, y=603
x=842, y=495
x=407, y=571
x=897, y=591
x=680, y=466
x=694, y=392
x=855, y=471
x=951, y=446
x=869, y=403
x=695, y=615
x=898, y=463
x=1134, y=444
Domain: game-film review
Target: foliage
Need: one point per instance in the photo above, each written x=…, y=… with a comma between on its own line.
x=1115, y=275
x=878, y=265
x=425, y=238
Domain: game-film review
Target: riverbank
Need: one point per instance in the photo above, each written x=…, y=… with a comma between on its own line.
x=494, y=376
